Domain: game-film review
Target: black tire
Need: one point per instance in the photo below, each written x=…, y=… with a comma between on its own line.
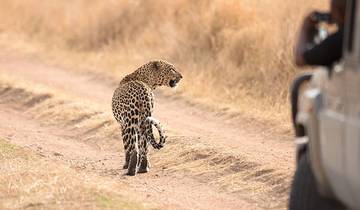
x=304, y=195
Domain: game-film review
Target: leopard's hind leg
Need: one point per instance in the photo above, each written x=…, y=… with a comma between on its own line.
x=144, y=164
x=132, y=152
x=126, y=142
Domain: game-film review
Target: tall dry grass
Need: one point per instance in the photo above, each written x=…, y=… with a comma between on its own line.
x=234, y=53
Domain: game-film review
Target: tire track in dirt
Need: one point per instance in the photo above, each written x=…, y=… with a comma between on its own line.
x=216, y=151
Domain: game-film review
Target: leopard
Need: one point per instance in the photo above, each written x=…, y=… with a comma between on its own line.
x=133, y=106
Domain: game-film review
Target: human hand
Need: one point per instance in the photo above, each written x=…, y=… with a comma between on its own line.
x=310, y=22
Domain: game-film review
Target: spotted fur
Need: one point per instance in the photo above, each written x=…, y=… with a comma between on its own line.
x=133, y=105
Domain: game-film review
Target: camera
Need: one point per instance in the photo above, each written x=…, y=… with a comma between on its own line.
x=321, y=17
x=320, y=31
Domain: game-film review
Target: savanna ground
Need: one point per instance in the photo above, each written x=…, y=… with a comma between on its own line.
x=61, y=60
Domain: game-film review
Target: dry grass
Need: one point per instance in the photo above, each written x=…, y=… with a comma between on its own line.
x=234, y=54
x=28, y=181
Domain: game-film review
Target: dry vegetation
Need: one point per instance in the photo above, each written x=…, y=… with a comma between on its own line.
x=28, y=181
x=235, y=54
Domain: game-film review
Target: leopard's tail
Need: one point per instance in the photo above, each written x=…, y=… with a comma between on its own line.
x=158, y=126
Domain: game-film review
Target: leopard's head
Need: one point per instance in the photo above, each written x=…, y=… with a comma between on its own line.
x=165, y=74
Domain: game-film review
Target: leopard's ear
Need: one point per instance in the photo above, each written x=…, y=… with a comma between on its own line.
x=156, y=65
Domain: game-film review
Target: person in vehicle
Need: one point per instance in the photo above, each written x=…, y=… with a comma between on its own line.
x=327, y=52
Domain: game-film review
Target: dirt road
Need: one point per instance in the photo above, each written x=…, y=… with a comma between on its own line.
x=212, y=160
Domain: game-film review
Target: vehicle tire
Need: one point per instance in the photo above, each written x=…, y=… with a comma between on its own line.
x=304, y=195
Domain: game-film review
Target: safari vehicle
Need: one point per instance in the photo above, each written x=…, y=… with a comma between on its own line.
x=326, y=118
